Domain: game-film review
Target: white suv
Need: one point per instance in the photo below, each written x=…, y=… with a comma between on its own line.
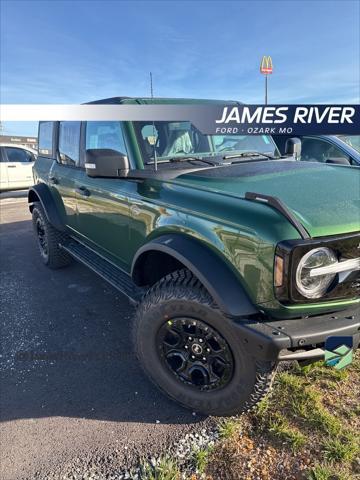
x=16, y=164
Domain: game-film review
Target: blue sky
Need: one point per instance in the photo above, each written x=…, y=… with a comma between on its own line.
x=77, y=51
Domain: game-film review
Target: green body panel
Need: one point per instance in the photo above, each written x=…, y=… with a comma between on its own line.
x=244, y=233
x=122, y=215
x=315, y=194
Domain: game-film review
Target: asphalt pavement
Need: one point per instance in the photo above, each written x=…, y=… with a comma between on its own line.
x=72, y=391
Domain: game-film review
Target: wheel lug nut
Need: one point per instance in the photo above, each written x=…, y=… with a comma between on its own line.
x=201, y=340
x=204, y=358
x=190, y=338
x=186, y=347
x=193, y=357
x=208, y=350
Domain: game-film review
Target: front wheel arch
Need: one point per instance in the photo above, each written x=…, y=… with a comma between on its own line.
x=208, y=267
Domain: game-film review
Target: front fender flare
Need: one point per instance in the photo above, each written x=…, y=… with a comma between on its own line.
x=41, y=192
x=212, y=271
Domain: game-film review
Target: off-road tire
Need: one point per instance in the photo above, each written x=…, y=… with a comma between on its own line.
x=52, y=256
x=181, y=294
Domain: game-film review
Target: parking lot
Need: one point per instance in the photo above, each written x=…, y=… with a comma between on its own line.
x=72, y=391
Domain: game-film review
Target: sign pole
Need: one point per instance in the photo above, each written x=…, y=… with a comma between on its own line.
x=266, y=89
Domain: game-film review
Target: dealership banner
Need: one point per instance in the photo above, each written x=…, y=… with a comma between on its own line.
x=215, y=118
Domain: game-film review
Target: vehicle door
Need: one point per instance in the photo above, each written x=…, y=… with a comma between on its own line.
x=19, y=163
x=3, y=170
x=320, y=150
x=102, y=203
x=63, y=172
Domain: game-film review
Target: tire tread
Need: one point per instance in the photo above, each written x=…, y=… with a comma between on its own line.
x=57, y=257
x=193, y=290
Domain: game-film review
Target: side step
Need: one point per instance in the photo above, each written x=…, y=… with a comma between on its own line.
x=106, y=270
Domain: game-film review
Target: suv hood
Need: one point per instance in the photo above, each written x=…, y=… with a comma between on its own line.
x=324, y=198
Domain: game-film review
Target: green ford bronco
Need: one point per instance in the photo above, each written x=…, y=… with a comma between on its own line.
x=236, y=258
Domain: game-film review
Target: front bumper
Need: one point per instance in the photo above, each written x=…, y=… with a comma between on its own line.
x=297, y=339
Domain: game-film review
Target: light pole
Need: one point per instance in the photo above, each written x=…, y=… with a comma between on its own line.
x=266, y=68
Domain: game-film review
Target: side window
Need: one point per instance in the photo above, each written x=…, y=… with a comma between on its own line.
x=69, y=143
x=105, y=135
x=314, y=150
x=46, y=130
x=335, y=152
x=18, y=155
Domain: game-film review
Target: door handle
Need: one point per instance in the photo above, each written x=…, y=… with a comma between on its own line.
x=83, y=191
x=53, y=180
x=11, y=166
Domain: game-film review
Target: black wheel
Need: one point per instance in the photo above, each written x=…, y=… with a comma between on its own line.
x=187, y=347
x=48, y=239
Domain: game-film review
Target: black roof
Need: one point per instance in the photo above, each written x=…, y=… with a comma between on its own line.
x=111, y=100
x=160, y=101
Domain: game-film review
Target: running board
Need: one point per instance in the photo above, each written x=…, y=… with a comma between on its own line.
x=106, y=270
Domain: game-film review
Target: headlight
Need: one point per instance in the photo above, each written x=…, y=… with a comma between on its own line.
x=314, y=286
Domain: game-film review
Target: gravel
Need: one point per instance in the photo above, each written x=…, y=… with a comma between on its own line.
x=106, y=467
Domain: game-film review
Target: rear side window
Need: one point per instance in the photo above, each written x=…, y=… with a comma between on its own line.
x=105, y=135
x=69, y=143
x=46, y=130
x=18, y=155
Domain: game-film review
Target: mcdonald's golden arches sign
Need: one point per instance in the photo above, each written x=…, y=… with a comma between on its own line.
x=266, y=66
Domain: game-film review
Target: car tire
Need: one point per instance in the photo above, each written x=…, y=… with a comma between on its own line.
x=48, y=239
x=165, y=308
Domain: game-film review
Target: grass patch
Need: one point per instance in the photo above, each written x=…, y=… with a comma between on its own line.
x=281, y=428
x=325, y=421
x=341, y=450
x=263, y=407
x=305, y=402
x=328, y=472
x=164, y=469
x=201, y=458
x=316, y=370
x=228, y=428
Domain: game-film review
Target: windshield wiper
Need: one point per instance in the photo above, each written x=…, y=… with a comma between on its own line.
x=188, y=159
x=249, y=154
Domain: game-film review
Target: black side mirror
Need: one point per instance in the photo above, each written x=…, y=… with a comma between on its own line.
x=104, y=162
x=293, y=147
x=338, y=161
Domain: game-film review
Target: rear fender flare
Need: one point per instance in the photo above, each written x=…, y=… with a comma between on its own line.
x=41, y=193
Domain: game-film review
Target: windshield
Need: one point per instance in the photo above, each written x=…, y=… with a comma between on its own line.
x=352, y=140
x=179, y=139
